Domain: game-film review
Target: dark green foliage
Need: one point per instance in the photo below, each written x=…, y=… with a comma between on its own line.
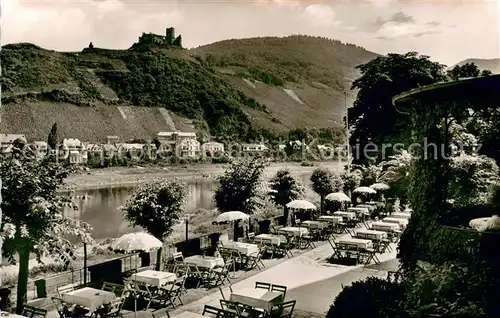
x=163, y=78
x=53, y=140
x=325, y=182
x=447, y=290
x=238, y=188
x=296, y=58
x=373, y=297
x=156, y=207
x=383, y=78
x=284, y=189
x=186, y=88
x=466, y=70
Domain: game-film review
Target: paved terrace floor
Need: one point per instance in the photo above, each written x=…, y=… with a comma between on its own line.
x=310, y=279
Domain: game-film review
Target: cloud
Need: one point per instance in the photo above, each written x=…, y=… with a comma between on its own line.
x=66, y=25
x=402, y=25
x=314, y=13
x=322, y=15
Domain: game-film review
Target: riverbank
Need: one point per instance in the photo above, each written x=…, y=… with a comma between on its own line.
x=130, y=176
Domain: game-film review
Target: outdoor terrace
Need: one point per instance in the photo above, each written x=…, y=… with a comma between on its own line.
x=292, y=257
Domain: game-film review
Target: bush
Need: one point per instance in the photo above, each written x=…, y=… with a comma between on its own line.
x=445, y=290
x=372, y=298
x=35, y=272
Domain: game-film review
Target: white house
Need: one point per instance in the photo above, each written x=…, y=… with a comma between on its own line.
x=212, y=147
x=189, y=148
x=6, y=141
x=41, y=148
x=176, y=136
x=72, y=147
x=134, y=150
x=257, y=148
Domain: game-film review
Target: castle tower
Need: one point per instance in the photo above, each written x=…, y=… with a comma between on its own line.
x=170, y=36
x=178, y=41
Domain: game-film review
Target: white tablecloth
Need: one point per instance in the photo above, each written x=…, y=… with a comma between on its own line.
x=331, y=218
x=295, y=231
x=371, y=234
x=401, y=222
x=89, y=297
x=347, y=215
x=401, y=215
x=270, y=239
x=207, y=262
x=315, y=224
x=359, y=210
x=155, y=278
x=10, y=315
x=357, y=242
x=384, y=226
x=243, y=248
x=257, y=298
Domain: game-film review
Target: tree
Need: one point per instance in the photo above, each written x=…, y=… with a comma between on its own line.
x=156, y=207
x=33, y=212
x=381, y=79
x=325, y=182
x=396, y=173
x=352, y=180
x=284, y=188
x=465, y=71
x=473, y=180
x=369, y=173
x=238, y=187
x=52, y=139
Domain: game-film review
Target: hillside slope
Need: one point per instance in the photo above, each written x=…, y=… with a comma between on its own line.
x=492, y=65
x=239, y=88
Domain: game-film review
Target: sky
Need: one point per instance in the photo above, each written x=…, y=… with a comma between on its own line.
x=447, y=31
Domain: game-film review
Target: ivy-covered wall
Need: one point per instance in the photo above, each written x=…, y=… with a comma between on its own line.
x=425, y=239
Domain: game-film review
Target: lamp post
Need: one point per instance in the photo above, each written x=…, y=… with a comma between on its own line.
x=347, y=133
x=186, y=220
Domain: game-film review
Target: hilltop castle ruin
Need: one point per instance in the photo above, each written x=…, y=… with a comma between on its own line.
x=147, y=40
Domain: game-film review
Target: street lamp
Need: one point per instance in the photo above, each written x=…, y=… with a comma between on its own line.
x=186, y=220
x=347, y=133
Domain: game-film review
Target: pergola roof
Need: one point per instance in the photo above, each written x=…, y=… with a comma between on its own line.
x=477, y=93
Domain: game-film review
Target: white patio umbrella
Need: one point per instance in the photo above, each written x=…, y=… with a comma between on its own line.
x=483, y=224
x=139, y=241
x=132, y=242
x=232, y=216
x=338, y=197
x=379, y=186
x=364, y=190
x=301, y=205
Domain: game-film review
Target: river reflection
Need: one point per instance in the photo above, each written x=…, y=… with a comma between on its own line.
x=100, y=207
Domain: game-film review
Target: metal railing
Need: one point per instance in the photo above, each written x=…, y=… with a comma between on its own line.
x=130, y=261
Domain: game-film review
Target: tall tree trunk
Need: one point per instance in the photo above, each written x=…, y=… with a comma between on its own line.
x=158, y=258
x=22, y=280
x=322, y=199
x=286, y=214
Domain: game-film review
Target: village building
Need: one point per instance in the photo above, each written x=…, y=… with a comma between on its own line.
x=7, y=140
x=189, y=148
x=212, y=148
x=71, y=150
x=41, y=148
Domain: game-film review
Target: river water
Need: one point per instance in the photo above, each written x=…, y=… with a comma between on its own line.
x=100, y=207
